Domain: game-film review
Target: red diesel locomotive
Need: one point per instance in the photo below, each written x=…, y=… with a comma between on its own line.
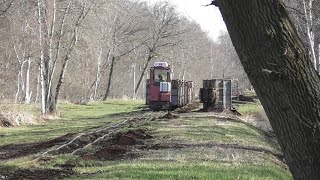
x=165, y=93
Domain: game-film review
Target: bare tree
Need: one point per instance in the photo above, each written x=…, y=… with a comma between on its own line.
x=163, y=24
x=51, y=45
x=228, y=60
x=282, y=73
x=47, y=54
x=21, y=34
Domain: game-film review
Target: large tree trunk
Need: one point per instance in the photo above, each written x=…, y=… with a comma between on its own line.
x=283, y=76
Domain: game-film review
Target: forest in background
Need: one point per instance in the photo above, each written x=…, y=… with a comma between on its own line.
x=97, y=50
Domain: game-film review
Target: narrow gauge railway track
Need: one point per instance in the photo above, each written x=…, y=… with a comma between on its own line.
x=87, y=139
x=74, y=143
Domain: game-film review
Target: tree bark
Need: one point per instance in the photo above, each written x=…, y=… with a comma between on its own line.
x=106, y=95
x=28, y=93
x=41, y=63
x=8, y=5
x=53, y=102
x=98, y=75
x=38, y=87
x=283, y=76
x=18, y=88
x=318, y=62
x=134, y=79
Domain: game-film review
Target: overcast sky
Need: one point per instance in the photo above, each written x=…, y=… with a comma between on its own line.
x=209, y=17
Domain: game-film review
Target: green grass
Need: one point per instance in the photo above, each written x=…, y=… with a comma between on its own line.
x=97, y=110
x=204, y=130
x=182, y=170
x=192, y=162
x=250, y=108
x=74, y=119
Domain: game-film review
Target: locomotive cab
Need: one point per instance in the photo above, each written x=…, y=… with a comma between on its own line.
x=160, y=86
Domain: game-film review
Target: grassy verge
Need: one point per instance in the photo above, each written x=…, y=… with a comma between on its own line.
x=204, y=130
x=183, y=148
x=250, y=108
x=74, y=119
x=195, y=159
x=183, y=170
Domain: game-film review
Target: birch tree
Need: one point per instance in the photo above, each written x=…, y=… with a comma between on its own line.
x=52, y=39
x=20, y=39
x=23, y=50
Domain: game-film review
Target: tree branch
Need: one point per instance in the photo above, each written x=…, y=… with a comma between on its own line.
x=2, y=12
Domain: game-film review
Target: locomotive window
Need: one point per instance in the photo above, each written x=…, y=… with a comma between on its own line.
x=160, y=75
